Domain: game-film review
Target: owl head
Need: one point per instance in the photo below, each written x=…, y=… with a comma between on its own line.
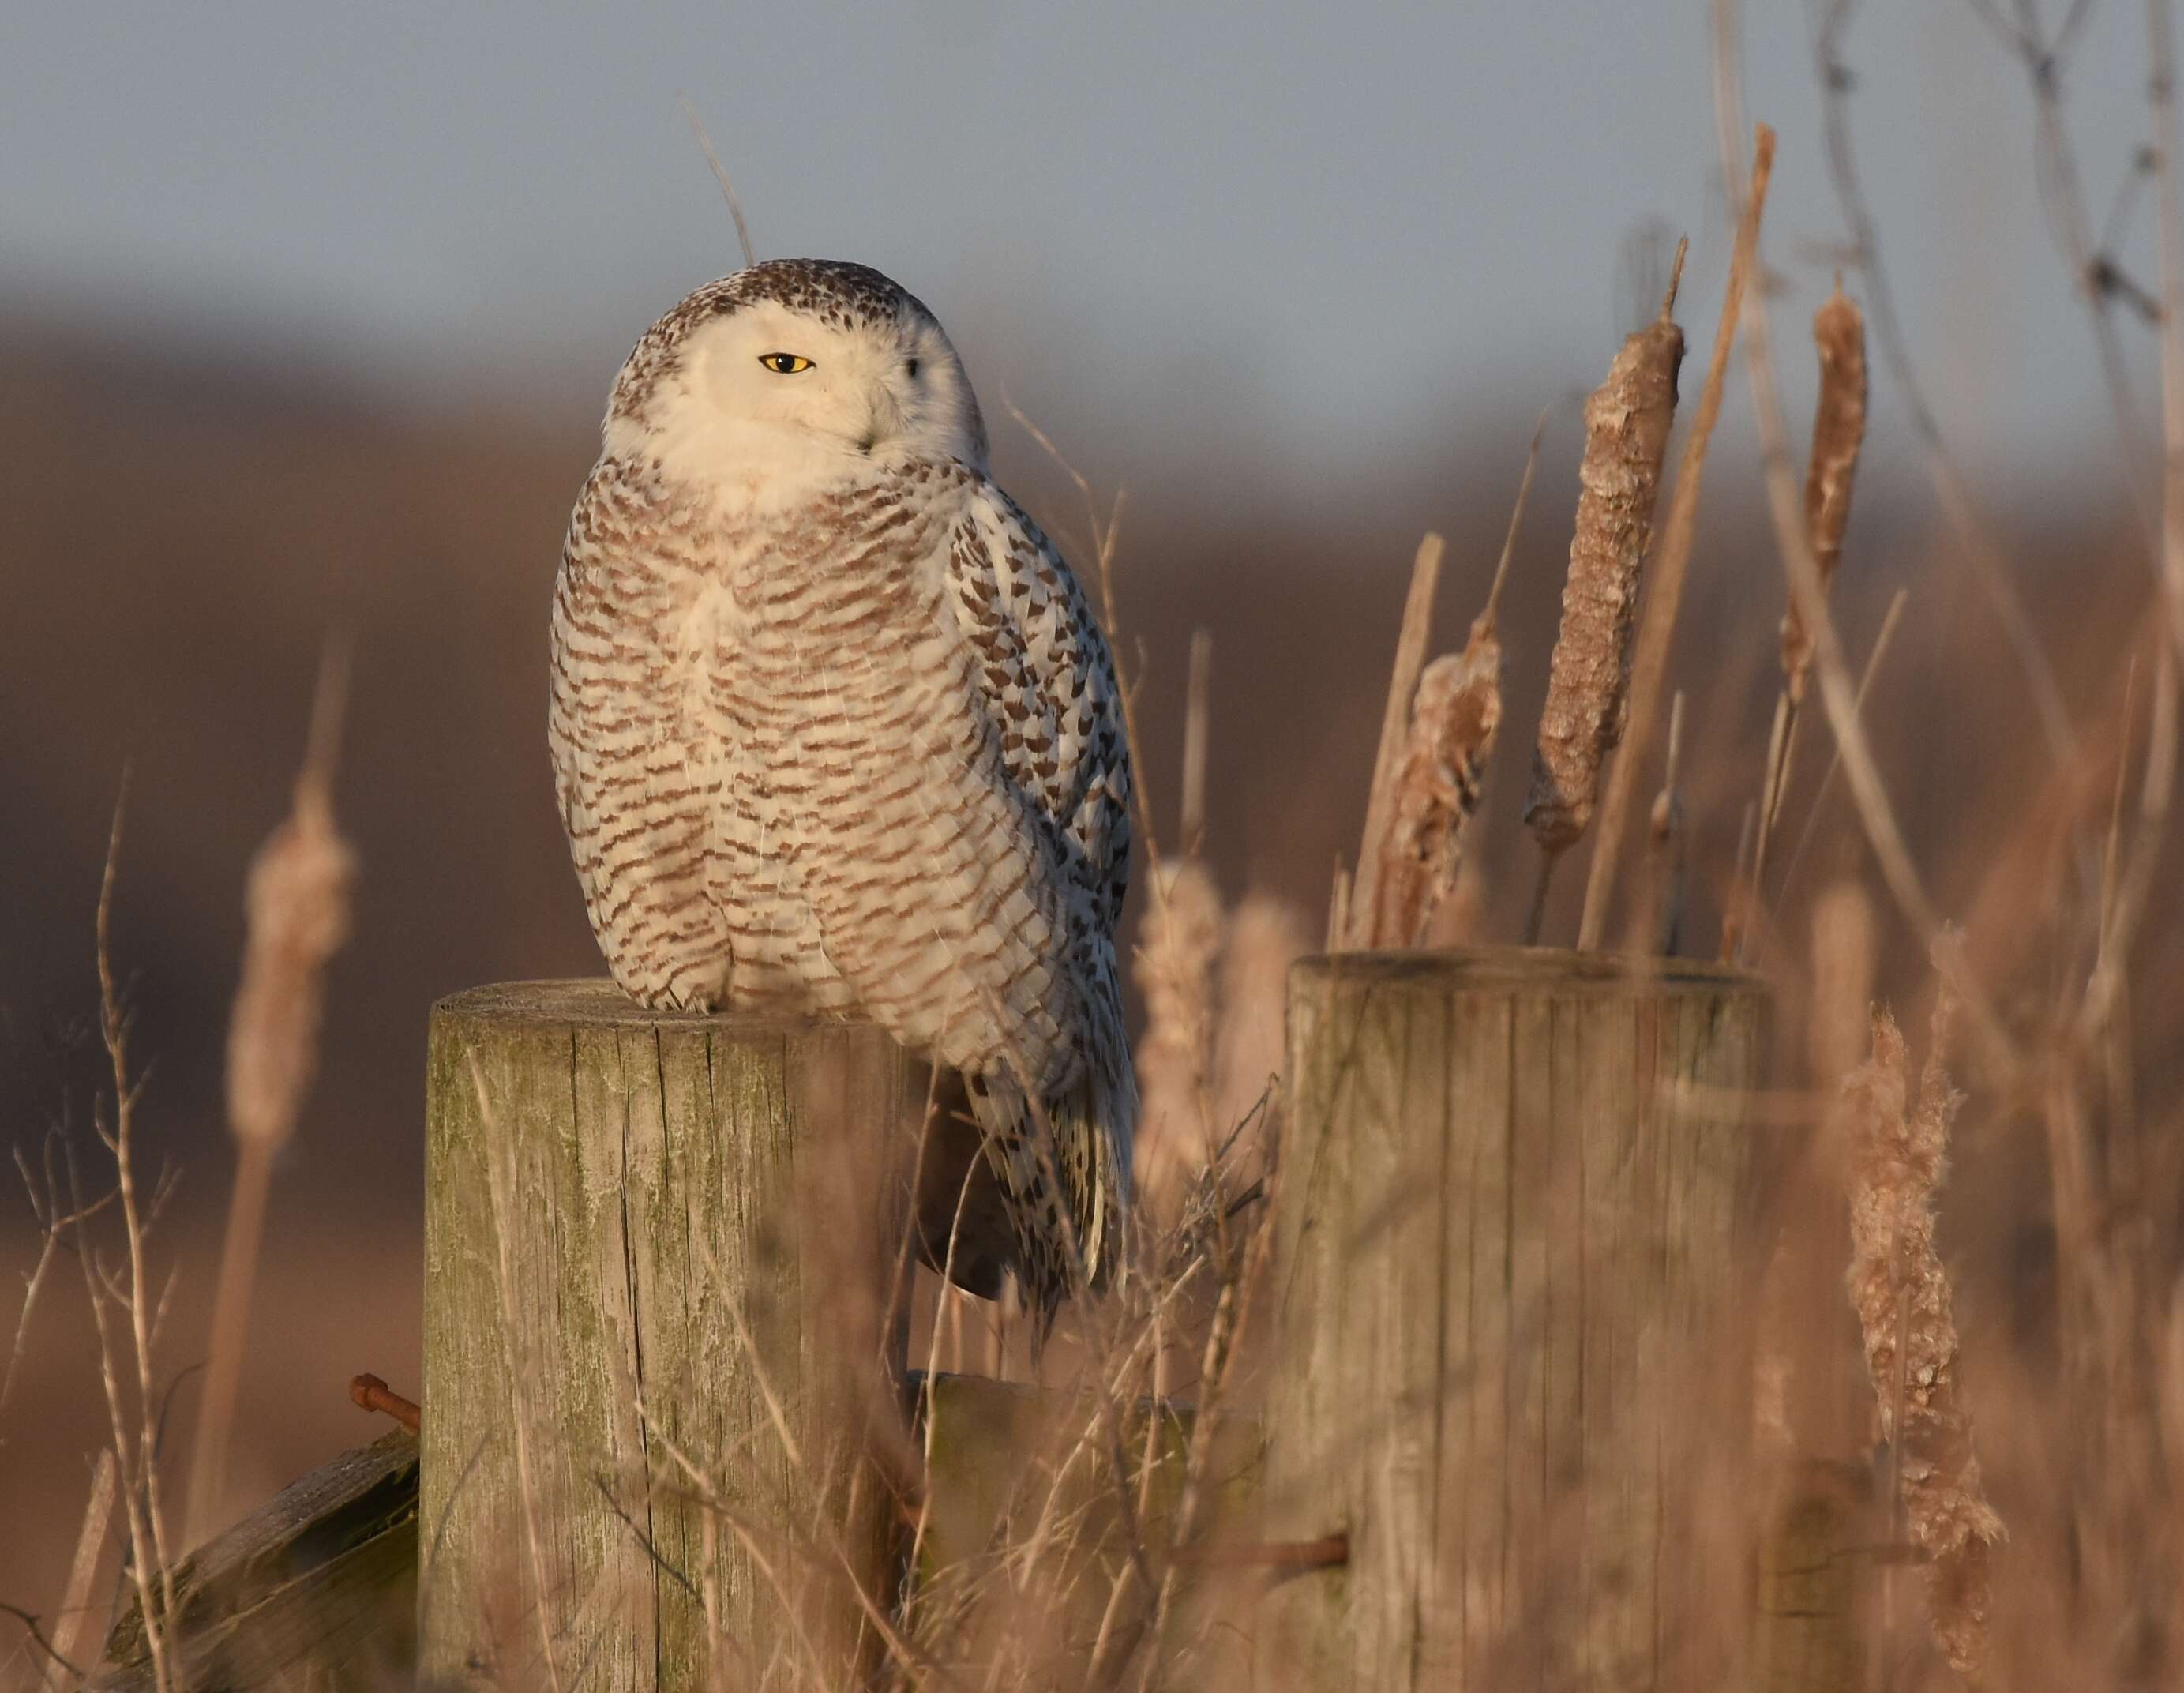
x=795, y=373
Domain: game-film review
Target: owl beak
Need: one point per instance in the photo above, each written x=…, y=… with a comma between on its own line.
x=881, y=423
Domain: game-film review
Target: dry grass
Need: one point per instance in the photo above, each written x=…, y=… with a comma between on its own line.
x=297, y=904
x=2035, y=1298
x=1646, y=673
x=1435, y=783
x=1906, y=1308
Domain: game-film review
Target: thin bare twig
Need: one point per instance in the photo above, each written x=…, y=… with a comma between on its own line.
x=35, y=1626
x=298, y=906
x=1786, y=506
x=2094, y=275
x=1890, y=620
x=76, y=1617
x=1974, y=540
x=136, y=1448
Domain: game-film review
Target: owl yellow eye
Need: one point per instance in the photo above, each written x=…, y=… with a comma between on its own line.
x=784, y=364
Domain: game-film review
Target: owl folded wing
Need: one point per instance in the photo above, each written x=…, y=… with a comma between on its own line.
x=1050, y=685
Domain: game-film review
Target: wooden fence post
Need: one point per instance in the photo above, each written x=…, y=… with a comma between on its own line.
x=661, y=1424
x=1509, y=1204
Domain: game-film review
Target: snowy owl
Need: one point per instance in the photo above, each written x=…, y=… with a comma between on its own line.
x=833, y=730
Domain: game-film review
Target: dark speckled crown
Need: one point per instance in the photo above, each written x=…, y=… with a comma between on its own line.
x=839, y=294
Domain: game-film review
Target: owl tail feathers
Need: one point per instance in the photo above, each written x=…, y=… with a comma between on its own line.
x=1064, y=1167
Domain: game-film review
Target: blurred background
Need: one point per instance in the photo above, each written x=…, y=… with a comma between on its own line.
x=308, y=315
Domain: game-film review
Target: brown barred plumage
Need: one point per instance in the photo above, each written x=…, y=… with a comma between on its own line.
x=833, y=729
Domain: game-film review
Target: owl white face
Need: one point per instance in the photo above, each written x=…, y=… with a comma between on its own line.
x=768, y=403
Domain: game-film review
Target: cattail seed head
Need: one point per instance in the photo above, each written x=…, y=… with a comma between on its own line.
x=297, y=902
x=1899, y=1150
x=1838, y=433
x=1627, y=423
x=1454, y=717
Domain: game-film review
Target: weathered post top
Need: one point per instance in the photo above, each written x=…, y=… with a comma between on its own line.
x=660, y=1351
x=1508, y=1209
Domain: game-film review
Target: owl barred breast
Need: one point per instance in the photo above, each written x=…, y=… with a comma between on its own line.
x=833, y=730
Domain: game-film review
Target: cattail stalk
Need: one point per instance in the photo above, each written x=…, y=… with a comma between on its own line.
x=1899, y=1151
x=1838, y=433
x=1626, y=423
x=1648, y=674
x=1363, y=899
x=1736, y=907
x=298, y=901
x=1454, y=717
x=1196, y=731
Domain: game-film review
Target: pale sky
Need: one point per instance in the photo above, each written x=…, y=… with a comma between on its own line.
x=1271, y=231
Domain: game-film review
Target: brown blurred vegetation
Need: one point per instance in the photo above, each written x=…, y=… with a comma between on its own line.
x=185, y=528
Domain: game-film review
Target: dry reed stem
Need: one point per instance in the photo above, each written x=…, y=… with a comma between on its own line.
x=1890, y=620
x=1402, y=684
x=1174, y=969
x=76, y=1617
x=1899, y=1150
x=1266, y=935
x=1197, y=713
x=1648, y=672
x=1666, y=843
x=1627, y=421
x=297, y=902
x=1737, y=903
x=2170, y=1376
x=1454, y=713
x=135, y=1450
x=1838, y=433
x=49, y=1243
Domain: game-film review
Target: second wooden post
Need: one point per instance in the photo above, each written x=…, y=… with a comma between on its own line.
x=660, y=1424
x=1506, y=1225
